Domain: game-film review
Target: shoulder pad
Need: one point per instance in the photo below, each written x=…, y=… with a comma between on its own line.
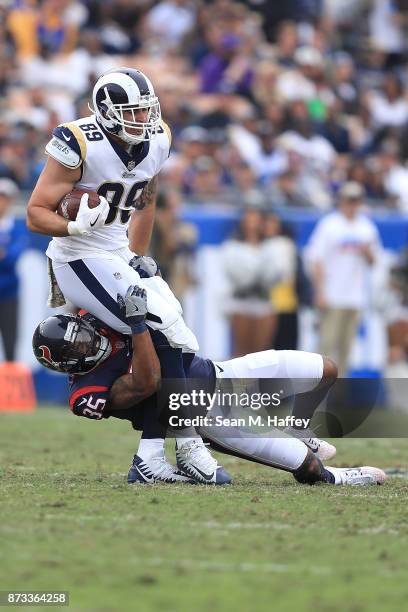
x=68, y=145
x=167, y=131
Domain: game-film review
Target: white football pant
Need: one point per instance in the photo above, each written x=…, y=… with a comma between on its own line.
x=275, y=448
x=92, y=283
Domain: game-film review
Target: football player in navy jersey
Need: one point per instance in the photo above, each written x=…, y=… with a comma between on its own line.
x=113, y=377
x=111, y=373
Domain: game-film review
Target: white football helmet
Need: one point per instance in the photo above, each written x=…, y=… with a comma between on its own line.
x=126, y=90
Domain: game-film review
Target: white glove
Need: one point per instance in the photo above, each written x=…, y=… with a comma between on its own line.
x=89, y=219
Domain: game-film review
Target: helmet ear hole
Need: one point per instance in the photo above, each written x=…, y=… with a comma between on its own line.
x=103, y=109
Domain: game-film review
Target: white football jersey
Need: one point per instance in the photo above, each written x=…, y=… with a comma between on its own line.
x=110, y=170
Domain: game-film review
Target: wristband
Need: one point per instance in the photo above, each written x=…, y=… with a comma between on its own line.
x=138, y=328
x=73, y=229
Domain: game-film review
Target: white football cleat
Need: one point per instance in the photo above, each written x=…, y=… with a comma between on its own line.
x=322, y=449
x=156, y=469
x=358, y=476
x=195, y=460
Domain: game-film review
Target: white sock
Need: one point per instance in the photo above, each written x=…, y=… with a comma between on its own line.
x=336, y=474
x=149, y=447
x=188, y=434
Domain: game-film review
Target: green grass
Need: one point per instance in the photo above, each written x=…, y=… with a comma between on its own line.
x=69, y=522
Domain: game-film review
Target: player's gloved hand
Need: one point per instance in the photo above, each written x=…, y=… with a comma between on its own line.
x=145, y=266
x=89, y=219
x=133, y=308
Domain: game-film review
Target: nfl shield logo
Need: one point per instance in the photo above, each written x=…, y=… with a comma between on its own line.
x=131, y=165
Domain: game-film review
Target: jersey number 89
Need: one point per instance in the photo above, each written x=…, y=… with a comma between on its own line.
x=113, y=192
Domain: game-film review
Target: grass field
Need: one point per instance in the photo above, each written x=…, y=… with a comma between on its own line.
x=69, y=522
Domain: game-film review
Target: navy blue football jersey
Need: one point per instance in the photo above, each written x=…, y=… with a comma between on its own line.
x=89, y=392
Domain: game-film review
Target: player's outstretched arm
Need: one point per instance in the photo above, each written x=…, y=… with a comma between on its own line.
x=141, y=223
x=144, y=380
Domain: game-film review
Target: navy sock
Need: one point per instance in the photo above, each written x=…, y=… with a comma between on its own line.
x=173, y=381
x=327, y=476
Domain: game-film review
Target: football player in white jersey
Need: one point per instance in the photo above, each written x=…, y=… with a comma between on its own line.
x=117, y=151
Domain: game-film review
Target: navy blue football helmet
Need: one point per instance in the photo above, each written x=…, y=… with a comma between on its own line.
x=69, y=343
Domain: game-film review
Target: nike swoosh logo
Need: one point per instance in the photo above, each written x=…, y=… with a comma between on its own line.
x=67, y=139
x=205, y=476
x=92, y=224
x=148, y=479
x=219, y=367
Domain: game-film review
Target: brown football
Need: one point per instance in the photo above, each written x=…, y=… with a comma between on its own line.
x=69, y=205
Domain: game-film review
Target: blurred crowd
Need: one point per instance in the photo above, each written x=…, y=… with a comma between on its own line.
x=277, y=103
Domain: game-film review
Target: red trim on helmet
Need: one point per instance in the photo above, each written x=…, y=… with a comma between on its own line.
x=83, y=390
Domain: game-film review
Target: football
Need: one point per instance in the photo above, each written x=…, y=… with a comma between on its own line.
x=69, y=205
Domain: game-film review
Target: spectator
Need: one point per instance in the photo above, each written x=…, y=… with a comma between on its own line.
x=249, y=308
x=260, y=150
x=279, y=266
x=389, y=107
x=343, y=82
x=311, y=158
x=13, y=241
x=206, y=180
x=171, y=21
x=334, y=130
x=395, y=174
x=374, y=183
x=173, y=244
x=226, y=69
x=119, y=25
x=341, y=251
x=286, y=192
x=243, y=180
x=286, y=42
x=385, y=26
x=22, y=25
x=301, y=136
x=299, y=83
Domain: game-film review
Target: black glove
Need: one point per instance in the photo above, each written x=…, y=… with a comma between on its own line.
x=133, y=308
x=145, y=266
